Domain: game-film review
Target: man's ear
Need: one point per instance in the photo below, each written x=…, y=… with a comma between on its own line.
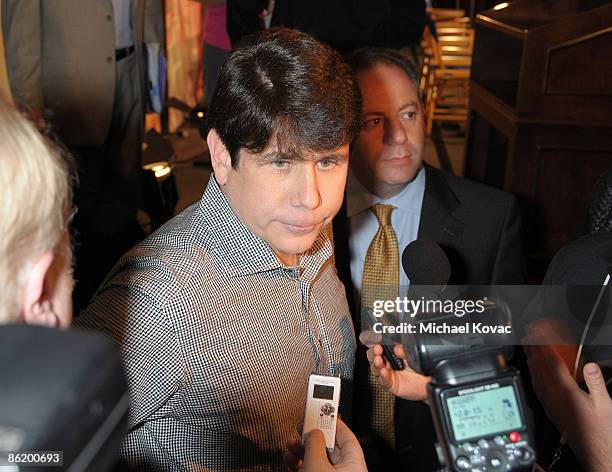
x=219, y=157
x=33, y=308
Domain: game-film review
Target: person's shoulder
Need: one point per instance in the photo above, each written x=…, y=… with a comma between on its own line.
x=594, y=244
x=162, y=265
x=587, y=260
x=479, y=189
x=472, y=193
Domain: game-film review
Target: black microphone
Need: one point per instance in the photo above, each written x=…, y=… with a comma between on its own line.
x=425, y=263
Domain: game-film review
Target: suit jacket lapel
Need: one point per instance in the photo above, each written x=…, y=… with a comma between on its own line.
x=343, y=258
x=437, y=220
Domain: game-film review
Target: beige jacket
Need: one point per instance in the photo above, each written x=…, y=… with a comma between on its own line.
x=61, y=57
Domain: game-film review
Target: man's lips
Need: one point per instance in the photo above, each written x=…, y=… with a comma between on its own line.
x=302, y=227
x=396, y=158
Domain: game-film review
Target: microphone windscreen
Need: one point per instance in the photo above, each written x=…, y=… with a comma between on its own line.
x=425, y=263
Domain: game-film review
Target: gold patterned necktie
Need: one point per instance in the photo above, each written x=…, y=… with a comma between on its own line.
x=380, y=281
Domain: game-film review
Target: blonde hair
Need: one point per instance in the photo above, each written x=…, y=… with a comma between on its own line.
x=34, y=201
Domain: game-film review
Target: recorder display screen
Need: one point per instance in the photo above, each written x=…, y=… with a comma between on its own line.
x=484, y=413
x=323, y=392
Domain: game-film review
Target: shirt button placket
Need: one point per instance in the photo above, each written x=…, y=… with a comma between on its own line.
x=312, y=325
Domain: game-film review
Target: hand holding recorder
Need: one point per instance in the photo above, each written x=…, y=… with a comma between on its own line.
x=313, y=456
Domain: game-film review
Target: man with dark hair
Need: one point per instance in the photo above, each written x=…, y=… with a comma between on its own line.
x=222, y=314
x=393, y=199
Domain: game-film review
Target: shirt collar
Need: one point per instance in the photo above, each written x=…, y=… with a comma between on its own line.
x=244, y=253
x=359, y=199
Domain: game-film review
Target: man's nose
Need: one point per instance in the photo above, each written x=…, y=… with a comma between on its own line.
x=394, y=132
x=307, y=193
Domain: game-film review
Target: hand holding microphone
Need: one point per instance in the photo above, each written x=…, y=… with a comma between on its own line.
x=425, y=263
x=404, y=383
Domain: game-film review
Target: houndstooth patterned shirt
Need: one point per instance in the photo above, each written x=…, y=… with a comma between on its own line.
x=218, y=338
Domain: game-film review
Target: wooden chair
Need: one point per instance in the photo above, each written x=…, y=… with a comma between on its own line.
x=441, y=14
x=446, y=72
x=464, y=22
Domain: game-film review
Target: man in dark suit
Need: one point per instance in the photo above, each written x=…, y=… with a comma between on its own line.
x=478, y=227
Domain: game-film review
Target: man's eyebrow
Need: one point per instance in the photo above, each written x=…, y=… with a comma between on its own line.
x=409, y=104
x=333, y=155
x=280, y=156
x=276, y=156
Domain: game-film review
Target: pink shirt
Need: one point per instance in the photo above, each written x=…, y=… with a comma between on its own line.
x=215, y=30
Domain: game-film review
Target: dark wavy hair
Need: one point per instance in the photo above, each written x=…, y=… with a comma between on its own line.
x=284, y=84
